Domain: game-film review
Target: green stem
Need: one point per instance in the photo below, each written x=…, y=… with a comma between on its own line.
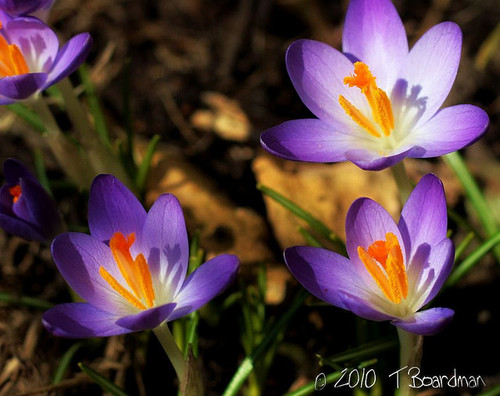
x=476, y=198
x=247, y=365
x=101, y=160
x=410, y=355
x=173, y=352
x=65, y=152
x=402, y=181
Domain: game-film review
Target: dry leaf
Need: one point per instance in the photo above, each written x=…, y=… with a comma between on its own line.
x=224, y=228
x=324, y=190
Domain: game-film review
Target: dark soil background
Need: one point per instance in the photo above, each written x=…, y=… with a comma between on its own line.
x=168, y=55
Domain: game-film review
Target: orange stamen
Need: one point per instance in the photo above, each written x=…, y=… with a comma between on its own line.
x=12, y=61
x=384, y=261
x=16, y=192
x=378, y=100
x=135, y=272
x=115, y=285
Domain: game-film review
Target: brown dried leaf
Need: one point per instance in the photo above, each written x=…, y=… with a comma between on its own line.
x=326, y=191
x=225, y=118
x=224, y=228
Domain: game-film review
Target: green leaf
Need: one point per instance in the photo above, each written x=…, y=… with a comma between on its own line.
x=319, y=383
x=474, y=194
x=102, y=381
x=247, y=364
x=27, y=115
x=29, y=302
x=316, y=224
x=360, y=352
x=472, y=259
x=142, y=172
x=65, y=361
x=94, y=106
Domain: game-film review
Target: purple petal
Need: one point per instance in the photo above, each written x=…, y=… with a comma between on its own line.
x=70, y=57
x=373, y=33
x=451, y=129
x=78, y=258
x=432, y=65
x=428, y=276
x=309, y=140
x=23, y=7
x=20, y=228
x=369, y=160
x=317, y=72
x=164, y=243
x=325, y=274
x=37, y=42
x=42, y=209
x=147, y=319
x=14, y=170
x=81, y=320
x=362, y=308
x=22, y=86
x=424, y=218
x=367, y=222
x=204, y=283
x=427, y=322
x=113, y=208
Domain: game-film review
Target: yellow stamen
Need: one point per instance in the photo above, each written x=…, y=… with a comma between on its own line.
x=115, y=285
x=358, y=117
x=378, y=100
x=384, y=261
x=135, y=272
x=12, y=61
x=16, y=192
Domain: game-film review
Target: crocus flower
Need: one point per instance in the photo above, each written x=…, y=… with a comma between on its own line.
x=392, y=270
x=131, y=269
x=26, y=209
x=25, y=7
x=377, y=102
x=30, y=57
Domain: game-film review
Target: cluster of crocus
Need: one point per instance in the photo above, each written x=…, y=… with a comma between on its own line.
x=30, y=57
x=26, y=209
x=393, y=269
x=377, y=102
x=131, y=270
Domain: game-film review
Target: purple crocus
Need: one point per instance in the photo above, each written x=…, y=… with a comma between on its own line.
x=26, y=209
x=392, y=270
x=30, y=57
x=131, y=269
x=377, y=102
x=25, y=7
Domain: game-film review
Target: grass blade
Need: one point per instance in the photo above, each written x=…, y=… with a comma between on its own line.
x=247, y=364
x=94, y=106
x=316, y=224
x=29, y=302
x=476, y=198
x=102, y=381
x=466, y=265
x=143, y=170
x=65, y=361
x=27, y=115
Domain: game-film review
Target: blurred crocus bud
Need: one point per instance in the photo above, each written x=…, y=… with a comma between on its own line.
x=38, y=8
x=26, y=209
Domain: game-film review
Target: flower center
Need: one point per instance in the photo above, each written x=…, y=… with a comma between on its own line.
x=15, y=192
x=384, y=262
x=380, y=104
x=12, y=62
x=135, y=272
